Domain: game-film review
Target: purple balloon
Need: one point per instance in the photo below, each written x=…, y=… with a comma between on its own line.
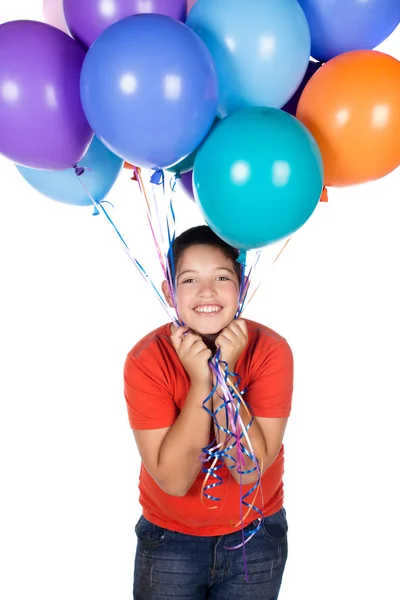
x=42, y=123
x=87, y=19
x=187, y=183
x=291, y=106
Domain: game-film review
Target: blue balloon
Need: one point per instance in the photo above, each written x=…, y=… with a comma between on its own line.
x=101, y=169
x=339, y=26
x=258, y=177
x=149, y=90
x=261, y=49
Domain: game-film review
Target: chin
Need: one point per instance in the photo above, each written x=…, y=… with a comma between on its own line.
x=207, y=330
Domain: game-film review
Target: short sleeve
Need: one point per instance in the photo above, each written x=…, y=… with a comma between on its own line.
x=149, y=402
x=270, y=389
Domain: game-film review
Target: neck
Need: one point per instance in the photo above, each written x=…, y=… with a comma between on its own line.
x=209, y=341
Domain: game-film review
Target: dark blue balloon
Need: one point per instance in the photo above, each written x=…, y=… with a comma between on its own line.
x=149, y=90
x=339, y=26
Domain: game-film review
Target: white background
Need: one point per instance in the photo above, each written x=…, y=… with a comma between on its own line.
x=72, y=306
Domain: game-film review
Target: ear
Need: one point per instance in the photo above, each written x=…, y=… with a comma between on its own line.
x=167, y=294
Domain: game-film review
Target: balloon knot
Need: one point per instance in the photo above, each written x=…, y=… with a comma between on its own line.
x=96, y=210
x=242, y=257
x=157, y=177
x=79, y=171
x=324, y=195
x=177, y=177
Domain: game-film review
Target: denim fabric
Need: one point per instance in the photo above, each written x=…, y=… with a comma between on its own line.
x=171, y=565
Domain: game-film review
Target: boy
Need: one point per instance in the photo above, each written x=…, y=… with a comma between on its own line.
x=182, y=544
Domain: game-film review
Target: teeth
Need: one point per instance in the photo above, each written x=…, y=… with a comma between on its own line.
x=207, y=309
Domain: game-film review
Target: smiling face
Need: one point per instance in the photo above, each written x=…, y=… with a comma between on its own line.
x=207, y=289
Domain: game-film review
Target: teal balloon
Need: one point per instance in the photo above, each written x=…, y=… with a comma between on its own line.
x=261, y=49
x=101, y=169
x=258, y=177
x=187, y=164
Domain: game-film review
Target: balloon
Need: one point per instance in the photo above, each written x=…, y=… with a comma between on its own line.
x=187, y=163
x=54, y=14
x=42, y=124
x=190, y=4
x=291, y=106
x=258, y=177
x=261, y=49
x=87, y=19
x=352, y=107
x=101, y=171
x=187, y=183
x=338, y=26
x=149, y=90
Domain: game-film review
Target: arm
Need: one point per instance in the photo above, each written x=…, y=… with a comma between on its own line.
x=171, y=455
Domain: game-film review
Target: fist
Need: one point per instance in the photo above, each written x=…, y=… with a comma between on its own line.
x=232, y=341
x=193, y=354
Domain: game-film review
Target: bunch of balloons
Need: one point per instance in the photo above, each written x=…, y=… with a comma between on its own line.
x=258, y=104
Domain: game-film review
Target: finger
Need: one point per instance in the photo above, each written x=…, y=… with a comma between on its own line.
x=177, y=336
x=240, y=329
x=222, y=341
x=197, y=347
x=243, y=326
x=206, y=352
x=179, y=332
x=189, y=340
x=230, y=335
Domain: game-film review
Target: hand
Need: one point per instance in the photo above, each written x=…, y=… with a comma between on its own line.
x=193, y=354
x=232, y=341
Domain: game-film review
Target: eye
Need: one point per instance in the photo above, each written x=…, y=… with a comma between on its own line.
x=188, y=280
x=223, y=278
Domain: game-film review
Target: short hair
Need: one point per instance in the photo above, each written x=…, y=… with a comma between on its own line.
x=201, y=235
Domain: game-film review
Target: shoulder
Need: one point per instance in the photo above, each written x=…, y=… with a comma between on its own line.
x=266, y=347
x=153, y=353
x=262, y=336
x=151, y=342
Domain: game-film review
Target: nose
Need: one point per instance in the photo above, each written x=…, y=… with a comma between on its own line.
x=207, y=290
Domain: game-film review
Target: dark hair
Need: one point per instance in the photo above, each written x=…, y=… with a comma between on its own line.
x=202, y=235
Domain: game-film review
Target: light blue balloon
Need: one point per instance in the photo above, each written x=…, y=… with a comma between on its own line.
x=261, y=49
x=102, y=168
x=258, y=177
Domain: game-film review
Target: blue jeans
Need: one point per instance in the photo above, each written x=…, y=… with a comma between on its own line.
x=171, y=565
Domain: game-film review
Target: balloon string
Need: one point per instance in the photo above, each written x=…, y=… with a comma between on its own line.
x=158, y=175
x=143, y=273
x=169, y=272
x=282, y=249
x=149, y=216
x=236, y=431
x=243, y=295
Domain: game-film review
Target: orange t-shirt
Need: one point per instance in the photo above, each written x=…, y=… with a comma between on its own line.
x=156, y=387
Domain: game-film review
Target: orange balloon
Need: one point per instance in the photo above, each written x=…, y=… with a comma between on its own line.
x=352, y=108
x=128, y=165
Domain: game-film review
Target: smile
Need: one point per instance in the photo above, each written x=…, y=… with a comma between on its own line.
x=208, y=309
